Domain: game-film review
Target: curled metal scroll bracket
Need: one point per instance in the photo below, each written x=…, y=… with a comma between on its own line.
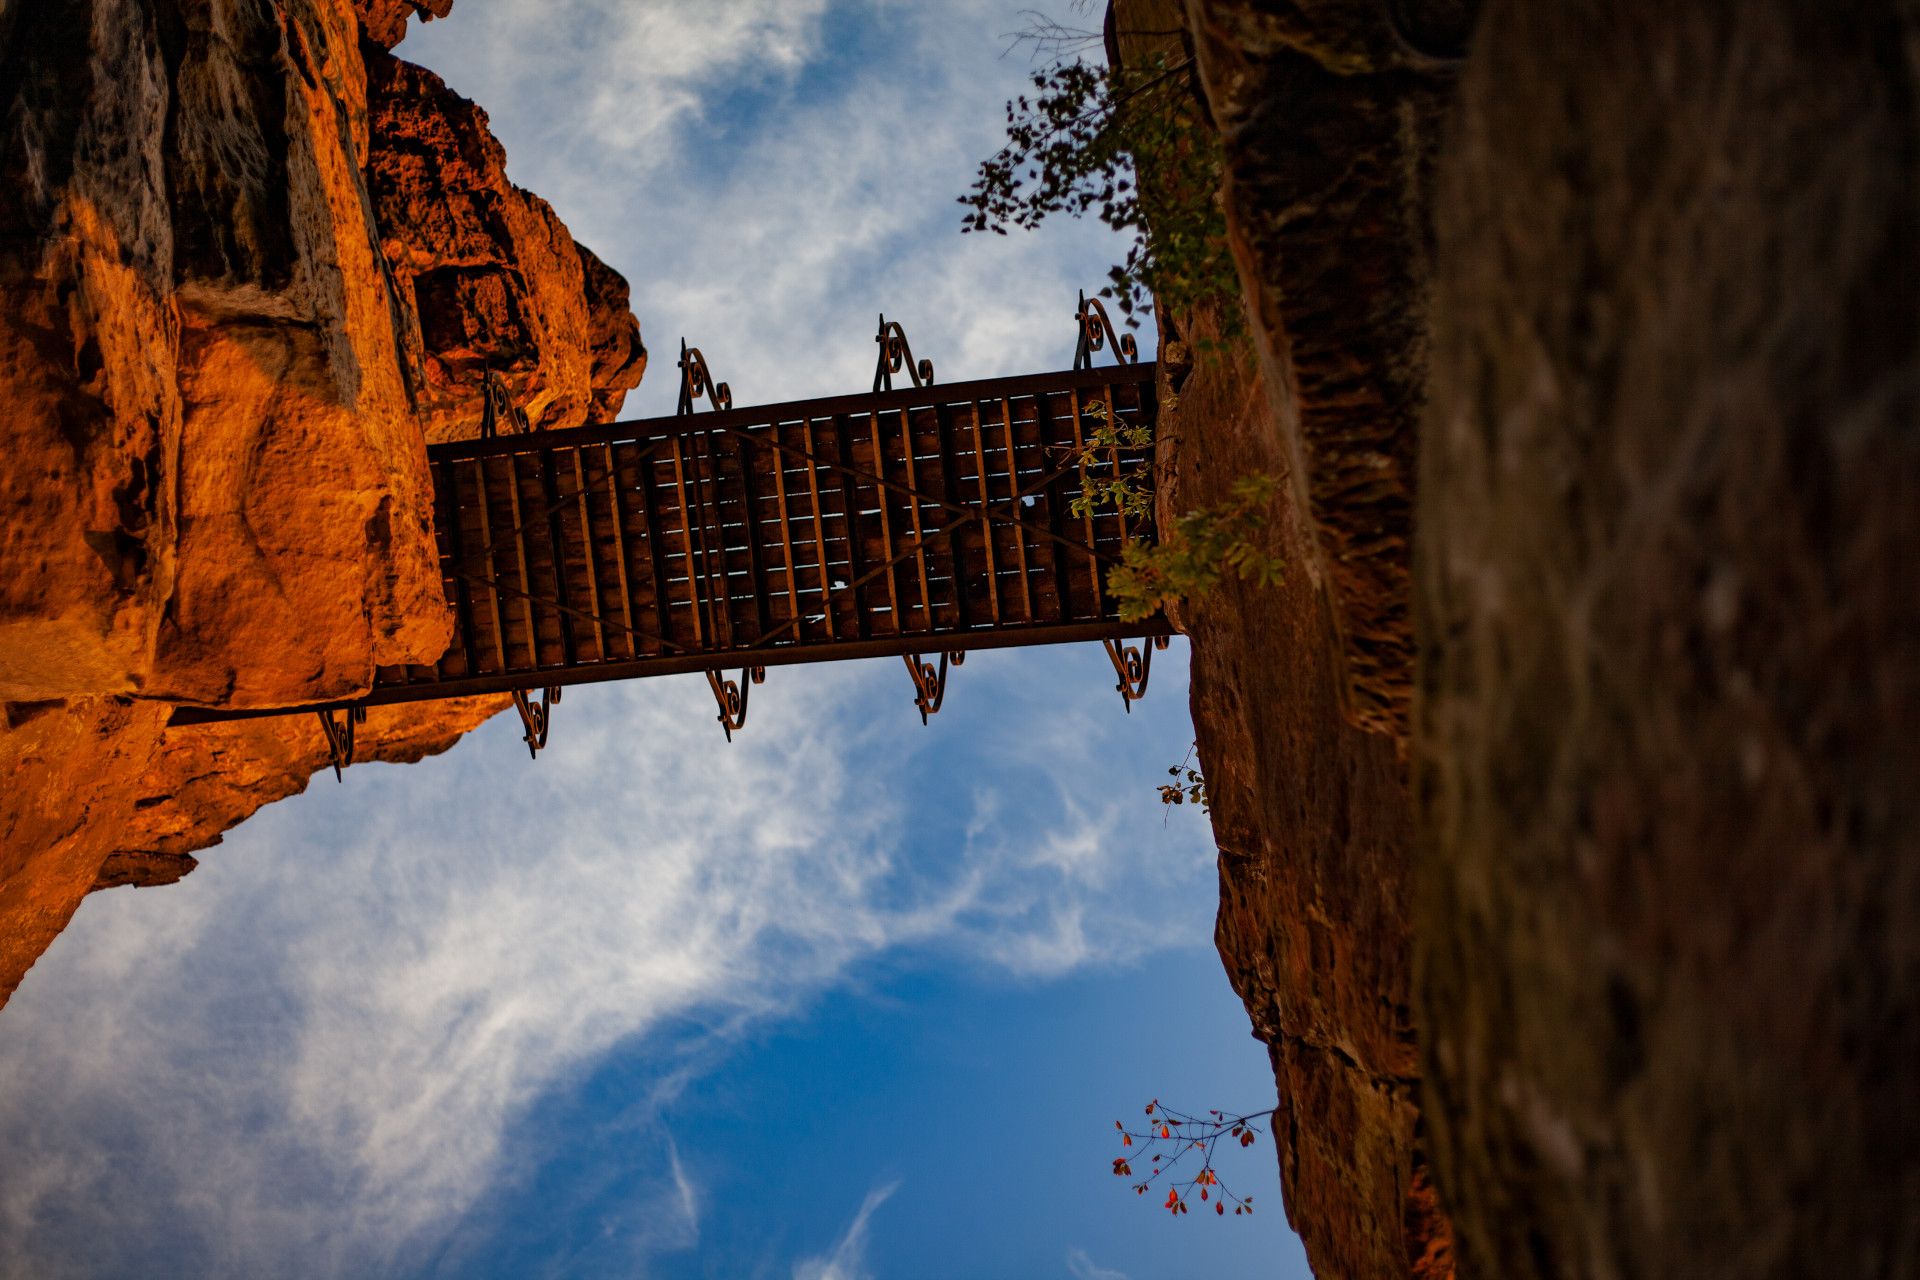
x=696, y=381
x=1097, y=333
x=337, y=728
x=929, y=681
x=1133, y=663
x=732, y=696
x=536, y=718
x=896, y=355
x=499, y=415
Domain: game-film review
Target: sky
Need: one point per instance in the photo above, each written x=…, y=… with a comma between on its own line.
x=850, y=998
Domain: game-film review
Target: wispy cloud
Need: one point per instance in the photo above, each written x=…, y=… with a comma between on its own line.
x=1081, y=1267
x=633, y=75
x=848, y=1258
x=685, y=1196
x=307, y=1056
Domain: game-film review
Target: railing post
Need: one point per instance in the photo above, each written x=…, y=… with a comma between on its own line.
x=339, y=736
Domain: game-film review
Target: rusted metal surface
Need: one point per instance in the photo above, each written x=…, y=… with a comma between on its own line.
x=929, y=681
x=1133, y=663
x=337, y=727
x=731, y=695
x=536, y=717
x=696, y=381
x=896, y=355
x=919, y=520
x=499, y=415
x=1097, y=332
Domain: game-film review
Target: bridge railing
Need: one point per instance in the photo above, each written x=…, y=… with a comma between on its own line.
x=910, y=520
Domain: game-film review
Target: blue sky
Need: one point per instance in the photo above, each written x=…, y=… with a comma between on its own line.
x=848, y=999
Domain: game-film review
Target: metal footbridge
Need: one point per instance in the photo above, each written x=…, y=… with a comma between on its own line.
x=914, y=520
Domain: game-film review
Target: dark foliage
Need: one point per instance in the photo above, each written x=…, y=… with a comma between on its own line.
x=1129, y=147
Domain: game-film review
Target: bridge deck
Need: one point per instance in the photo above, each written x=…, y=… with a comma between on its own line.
x=899, y=522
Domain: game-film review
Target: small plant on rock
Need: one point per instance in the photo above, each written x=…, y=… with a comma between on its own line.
x=1189, y=786
x=1127, y=145
x=1190, y=559
x=1200, y=549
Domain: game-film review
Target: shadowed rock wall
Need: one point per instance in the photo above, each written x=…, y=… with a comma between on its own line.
x=1669, y=911
x=195, y=325
x=1665, y=905
x=1300, y=691
x=1314, y=825
x=1329, y=113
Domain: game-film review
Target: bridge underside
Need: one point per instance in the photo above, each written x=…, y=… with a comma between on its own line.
x=925, y=519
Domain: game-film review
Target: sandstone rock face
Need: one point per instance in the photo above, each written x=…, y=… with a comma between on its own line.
x=386, y=20
x=1300, y=691
x=613, y=337
x=200, y=782
x=1314, y=823
x=219, y=398
x=96, y=793
x=1669, y=909
x=194, y=313
x=57, y=822
x=487, y=275
x=1329, y=110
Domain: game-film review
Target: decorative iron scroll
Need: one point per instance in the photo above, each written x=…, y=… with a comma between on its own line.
x=696, y=380
x=929, y=681
x=896, y=355
x=1133, y=664
x=1096, y=332
x=499, y=415
x=337, y=728
x=536, y=718
x=732, y=696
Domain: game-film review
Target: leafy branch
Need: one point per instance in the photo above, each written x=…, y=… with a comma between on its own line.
x=1188, y=560
x=1170, y=1138
x=1189, y=785
x=1080, y=144
x=1201, y=548
x=1110, y=466
x=1053, y=40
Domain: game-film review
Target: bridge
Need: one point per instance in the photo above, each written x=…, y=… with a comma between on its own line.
x=915, y=520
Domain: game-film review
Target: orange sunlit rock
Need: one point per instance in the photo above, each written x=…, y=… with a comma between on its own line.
x=244, y=282
x=489, y=277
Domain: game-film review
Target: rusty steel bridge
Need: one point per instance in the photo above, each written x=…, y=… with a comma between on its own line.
x=912, y=521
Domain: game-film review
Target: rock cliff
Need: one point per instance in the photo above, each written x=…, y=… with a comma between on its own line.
x=1314, y=822
x=250, y=262
x=1300, y=692
x=1627, y=983
x=1668, y=916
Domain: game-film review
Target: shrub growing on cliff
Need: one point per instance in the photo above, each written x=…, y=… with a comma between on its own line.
x=1130, y=146
x=1200, y=549
x=1127, y=145
x=1189, y=559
